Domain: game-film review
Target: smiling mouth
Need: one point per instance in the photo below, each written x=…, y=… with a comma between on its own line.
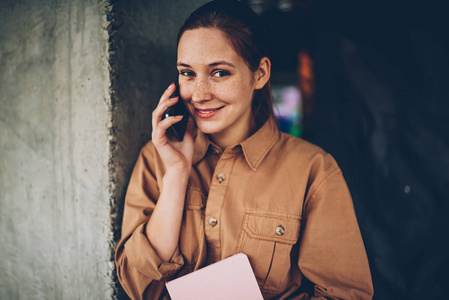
x=207, y=113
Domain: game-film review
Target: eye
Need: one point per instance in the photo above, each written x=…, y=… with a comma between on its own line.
x=186, y=73
x=221, y=73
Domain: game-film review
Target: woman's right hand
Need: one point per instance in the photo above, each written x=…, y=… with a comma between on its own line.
x=164, y=225
x=176, y=155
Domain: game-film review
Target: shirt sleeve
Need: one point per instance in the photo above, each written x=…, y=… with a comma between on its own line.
x=139, y=268
x=331, y=252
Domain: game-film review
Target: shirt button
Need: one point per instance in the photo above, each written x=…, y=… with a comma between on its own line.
x=280, y=230
x=213, y=221
x=221, y=177
x=216, y=151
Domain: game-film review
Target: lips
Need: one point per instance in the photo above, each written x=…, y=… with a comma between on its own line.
x=207, y=113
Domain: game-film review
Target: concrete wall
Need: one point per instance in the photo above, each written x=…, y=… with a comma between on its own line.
x=54, y=150
x=78, y=82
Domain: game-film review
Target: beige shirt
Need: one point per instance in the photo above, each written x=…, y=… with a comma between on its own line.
x=279, y=199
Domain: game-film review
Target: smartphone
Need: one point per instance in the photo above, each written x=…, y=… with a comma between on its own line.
x=179, y=108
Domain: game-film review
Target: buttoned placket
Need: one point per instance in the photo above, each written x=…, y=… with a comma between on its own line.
x=214, y=205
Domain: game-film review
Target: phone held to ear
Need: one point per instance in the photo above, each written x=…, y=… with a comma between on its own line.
x=178, y=109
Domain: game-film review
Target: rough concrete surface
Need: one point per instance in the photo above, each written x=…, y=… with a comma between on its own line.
x=54, y=150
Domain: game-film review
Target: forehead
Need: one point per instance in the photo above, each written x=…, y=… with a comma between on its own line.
x=205, y=45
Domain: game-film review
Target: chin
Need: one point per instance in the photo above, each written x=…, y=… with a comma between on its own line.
x=208, y=128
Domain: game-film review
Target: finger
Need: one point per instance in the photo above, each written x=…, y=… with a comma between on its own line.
x=161, y=129
x=160, y=110
x=162, y=106
x=168, y=91
x=166, y=123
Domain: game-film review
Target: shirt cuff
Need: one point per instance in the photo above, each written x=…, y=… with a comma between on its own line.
x=144, y=258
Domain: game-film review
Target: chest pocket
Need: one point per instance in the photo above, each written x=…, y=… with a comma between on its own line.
x=268, y=238
x=195, y=199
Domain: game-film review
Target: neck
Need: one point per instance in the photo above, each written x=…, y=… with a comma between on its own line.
x=227, y=139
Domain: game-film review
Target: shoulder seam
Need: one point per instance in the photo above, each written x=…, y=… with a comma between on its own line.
x=322, y=184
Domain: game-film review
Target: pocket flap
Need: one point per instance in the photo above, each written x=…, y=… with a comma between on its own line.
x=272, y=226
x=195, y=199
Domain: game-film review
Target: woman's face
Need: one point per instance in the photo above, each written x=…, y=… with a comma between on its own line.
x=216, y=84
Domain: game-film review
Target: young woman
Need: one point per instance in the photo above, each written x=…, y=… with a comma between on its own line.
x=235, y=183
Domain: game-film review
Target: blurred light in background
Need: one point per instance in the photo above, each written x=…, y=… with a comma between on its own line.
x=288, y=108
x=291, y=41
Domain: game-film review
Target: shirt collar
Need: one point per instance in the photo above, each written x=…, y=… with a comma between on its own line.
x=254, y=148
x=201, y=145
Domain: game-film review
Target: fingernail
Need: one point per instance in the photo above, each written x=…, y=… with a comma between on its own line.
x=171, y=86
x=174, y=99
x=179, y=117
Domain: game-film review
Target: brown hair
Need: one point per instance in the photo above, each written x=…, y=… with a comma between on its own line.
x=247, y=35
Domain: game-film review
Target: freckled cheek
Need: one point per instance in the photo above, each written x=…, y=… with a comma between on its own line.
x=231, y=91
x=222, y=93
x=186, y=91
x=186, y=95
x=235, y=93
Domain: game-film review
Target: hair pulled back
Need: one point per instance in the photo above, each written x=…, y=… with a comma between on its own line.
x=247, y=35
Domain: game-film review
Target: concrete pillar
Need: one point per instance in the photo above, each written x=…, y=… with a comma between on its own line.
x=54, y=151
x=78, y=82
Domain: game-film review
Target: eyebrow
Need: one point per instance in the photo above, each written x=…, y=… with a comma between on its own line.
x=214, y=64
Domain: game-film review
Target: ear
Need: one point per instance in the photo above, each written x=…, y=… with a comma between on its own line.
x=262, y=75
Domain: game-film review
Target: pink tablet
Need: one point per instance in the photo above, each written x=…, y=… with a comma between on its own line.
x=230, y=278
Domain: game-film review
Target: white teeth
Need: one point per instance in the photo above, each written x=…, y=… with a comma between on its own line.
x=207, y=111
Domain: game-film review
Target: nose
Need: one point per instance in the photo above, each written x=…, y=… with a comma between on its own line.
x=201, y=91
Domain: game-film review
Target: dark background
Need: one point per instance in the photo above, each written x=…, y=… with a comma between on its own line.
x=381, y=75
